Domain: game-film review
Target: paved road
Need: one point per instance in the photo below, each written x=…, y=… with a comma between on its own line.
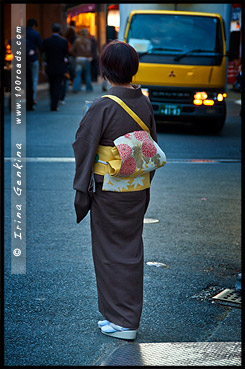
x=51, y=311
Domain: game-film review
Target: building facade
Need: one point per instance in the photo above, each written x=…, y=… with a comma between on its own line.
x=91, y=16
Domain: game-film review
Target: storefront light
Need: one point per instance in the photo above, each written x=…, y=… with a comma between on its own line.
x=9, y=57
x=113, y=18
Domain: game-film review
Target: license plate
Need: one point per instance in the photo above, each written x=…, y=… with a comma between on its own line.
x=170, y=109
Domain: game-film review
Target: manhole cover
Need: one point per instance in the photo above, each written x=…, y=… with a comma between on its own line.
x=150, y=220
x=230, y=296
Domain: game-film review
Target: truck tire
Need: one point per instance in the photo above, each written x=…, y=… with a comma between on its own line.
x=216, y=125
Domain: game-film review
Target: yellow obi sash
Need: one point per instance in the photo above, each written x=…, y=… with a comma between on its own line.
x=108, y=164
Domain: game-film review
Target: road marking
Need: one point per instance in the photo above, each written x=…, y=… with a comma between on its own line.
x=170, y=161
x=150, y=220
x=202, y=161
x=43, y=160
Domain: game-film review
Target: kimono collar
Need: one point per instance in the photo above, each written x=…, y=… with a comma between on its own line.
x=124, y=92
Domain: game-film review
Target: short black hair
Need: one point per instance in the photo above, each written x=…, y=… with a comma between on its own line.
x=119, y=62
x=31, y=22
x=56, y=27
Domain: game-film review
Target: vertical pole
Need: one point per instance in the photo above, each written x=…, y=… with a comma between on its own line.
x=101, y=24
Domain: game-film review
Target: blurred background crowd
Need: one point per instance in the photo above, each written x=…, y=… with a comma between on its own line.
x=64, y=41
x=63, y=44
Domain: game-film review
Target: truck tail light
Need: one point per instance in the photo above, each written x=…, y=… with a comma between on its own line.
x=197, y=102
x=200, y=95
x=220, y=97
x=208, y=102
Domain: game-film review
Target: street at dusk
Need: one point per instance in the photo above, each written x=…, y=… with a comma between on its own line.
x=191, y=313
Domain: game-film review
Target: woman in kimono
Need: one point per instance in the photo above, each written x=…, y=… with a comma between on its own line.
x=116, y=215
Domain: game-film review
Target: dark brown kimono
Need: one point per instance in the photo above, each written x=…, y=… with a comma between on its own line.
x=116, y=218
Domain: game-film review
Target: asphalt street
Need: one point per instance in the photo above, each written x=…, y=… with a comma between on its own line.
x=51, y=311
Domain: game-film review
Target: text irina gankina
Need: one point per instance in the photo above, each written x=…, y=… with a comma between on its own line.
x=18, y=191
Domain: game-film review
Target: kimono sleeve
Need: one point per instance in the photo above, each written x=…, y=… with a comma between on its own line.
x=85, y=146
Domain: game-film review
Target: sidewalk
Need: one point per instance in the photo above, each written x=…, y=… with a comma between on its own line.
x=233, y=95
x=43, y=90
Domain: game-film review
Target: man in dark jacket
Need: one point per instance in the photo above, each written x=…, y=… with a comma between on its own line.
x=29, y=77
x=55, y=55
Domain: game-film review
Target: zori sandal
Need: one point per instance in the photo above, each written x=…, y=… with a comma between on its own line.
x=117, y=331
x=101, y=323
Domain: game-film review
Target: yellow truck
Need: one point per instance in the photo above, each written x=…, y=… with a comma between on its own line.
x=182, y=65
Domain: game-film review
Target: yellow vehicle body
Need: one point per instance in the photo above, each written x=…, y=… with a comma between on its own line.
x=169, y=76
x=188, y=76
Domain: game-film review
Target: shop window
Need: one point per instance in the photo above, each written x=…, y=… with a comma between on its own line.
x=83, y=20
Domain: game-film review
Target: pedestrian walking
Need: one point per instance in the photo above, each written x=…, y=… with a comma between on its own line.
x=81, y=50
x=34, y=38
x=71, y=35
x=55, y=55
x=29, y=77
x=95, y=58
x=66, y=77
x=116, y=215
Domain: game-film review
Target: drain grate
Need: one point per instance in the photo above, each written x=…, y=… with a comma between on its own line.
x=207, y=293
x=229, y=296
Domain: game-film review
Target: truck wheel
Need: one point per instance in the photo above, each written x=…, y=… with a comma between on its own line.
x=216, y=125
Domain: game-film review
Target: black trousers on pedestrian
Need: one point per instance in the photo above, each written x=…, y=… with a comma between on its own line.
x=63, y=89
x=29, y=88
x=55, y=86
